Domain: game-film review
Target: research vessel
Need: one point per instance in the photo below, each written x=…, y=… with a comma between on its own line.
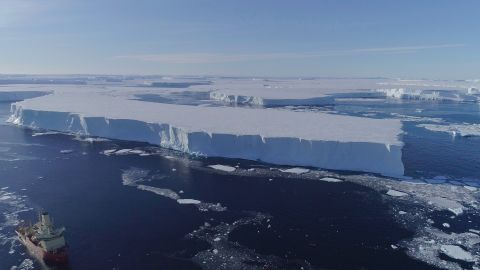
x=43, y=241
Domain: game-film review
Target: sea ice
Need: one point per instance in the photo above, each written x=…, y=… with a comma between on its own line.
x=188, y=201
x=168, y=193
x=295, y=170
x=396, y=193
x=331, y=180
x=455, y=129
x=457, y=253
x=471, y=188
x=224, y=168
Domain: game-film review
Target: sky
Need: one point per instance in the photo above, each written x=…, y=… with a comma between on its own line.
x=437, y=39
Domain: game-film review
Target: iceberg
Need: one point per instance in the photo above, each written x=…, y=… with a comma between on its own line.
x=429, y=94
x=282, y=137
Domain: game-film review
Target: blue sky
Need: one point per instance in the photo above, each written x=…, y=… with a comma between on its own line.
x=408, y=38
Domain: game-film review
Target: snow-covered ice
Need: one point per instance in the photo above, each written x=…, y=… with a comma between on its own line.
x=396, y=193
x=331, y=180
x=188, y=201
x=455, y=129
x=224, y=168
x=295, y=170
x=276, y=136
x=428, y=94
x=457, y=253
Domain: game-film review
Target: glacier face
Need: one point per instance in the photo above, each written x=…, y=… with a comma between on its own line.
x=279, y=137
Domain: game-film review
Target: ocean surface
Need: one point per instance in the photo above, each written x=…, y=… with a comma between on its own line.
x=159, y=209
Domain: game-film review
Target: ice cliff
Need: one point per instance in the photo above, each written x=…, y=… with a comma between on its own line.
x=276, y=136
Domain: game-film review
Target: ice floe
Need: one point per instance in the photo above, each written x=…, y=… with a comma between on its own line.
x=188, y=201
x=295, y=170
x=396, y=193
x=464, y=130
x=36, y=134
x=135, y=177
x=331, y=180
x=224, y=168
x=457, y=253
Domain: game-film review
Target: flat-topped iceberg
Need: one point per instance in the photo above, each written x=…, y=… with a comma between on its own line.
x=276, y=136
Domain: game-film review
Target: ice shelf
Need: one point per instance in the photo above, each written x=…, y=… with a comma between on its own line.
x=281, y=137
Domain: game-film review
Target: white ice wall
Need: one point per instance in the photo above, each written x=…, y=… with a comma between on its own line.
x=357, y=156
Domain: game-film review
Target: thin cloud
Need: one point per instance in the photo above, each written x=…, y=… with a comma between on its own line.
x=203, y=58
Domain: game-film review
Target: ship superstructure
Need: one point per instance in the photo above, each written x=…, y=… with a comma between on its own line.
x=43, y=241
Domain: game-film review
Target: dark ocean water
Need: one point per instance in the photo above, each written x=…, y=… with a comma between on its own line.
x=274, y=223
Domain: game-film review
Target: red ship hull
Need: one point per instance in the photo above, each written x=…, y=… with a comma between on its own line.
x=58, y=257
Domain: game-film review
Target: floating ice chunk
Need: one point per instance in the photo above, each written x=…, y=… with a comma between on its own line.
x=457, y=253
x=446, y=225
x=224, y=168
x=123, y=151
x=394, y=246
x=396, y=193
x=109, y=151
x=402, y=212
x=295, y=170
x=456, y=211
x=136, y=151
x=90, y=139
x=188, y=201
x=133, y=175
x=447, y=204
x=331, y=180
x=455, y=129
x=217, y=239
x=44, y=133
x=474, y=231
x=471, y=188
x=168, y=193
x=66, y=151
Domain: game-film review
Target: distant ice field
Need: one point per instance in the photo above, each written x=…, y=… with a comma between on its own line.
x=320, y=122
